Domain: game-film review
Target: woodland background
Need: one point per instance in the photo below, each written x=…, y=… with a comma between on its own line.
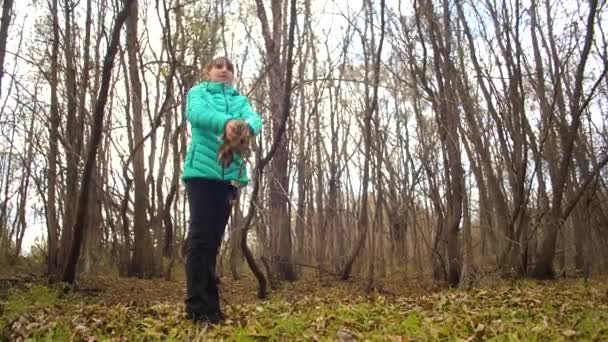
x=443, y=139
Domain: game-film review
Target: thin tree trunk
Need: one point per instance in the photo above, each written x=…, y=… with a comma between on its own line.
x=302, y=156
x=164, y=204
x=367, y=130
x=74, y=137
x=448, y=123
x=468, y=257
x=92, y=219
x=7, y=11
x=321, y=223
x=142, y=261
x=69, y=274
x=582, y=215
x=93, y=234
x=376, y=236
x=262, y=291
x=544, y=266
x=25, y=184
x=235, y=239
x=282, y=259
x=55, y=121
x=494, y=192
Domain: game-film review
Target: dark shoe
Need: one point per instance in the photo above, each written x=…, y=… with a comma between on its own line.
x=213, y=318
x=194, y=316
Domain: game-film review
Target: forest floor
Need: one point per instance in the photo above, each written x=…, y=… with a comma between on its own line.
x=109, y=308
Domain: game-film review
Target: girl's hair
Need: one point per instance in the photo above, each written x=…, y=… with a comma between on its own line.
x=220, y=61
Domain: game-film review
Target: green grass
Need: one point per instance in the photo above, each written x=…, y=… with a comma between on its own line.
x=511, y=311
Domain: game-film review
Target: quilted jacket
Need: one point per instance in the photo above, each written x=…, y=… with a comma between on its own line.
x=209, y=106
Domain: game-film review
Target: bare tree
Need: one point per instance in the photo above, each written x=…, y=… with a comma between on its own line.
x=141, y=261
x=28, y=155
x=5, y=22
x=69, y=274
x=279, y=183
x=301, y=168
x=544, y=267
x=261, y=164
x=55, y=121
x=371, y=108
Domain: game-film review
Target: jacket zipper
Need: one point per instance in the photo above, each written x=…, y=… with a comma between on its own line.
x=226, y=101
x=225, y=98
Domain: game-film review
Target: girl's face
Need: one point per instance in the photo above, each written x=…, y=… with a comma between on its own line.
x=221, y=71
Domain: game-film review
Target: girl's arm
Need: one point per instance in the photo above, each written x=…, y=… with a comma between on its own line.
x=200, y=113
x=251, y=117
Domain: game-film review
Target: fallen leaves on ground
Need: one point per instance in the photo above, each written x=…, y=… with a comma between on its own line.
x=128, y=309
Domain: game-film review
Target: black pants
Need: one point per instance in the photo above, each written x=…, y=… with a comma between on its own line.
x=210, y=203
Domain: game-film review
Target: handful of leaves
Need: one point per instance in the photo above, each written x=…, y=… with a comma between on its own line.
x=237, y=141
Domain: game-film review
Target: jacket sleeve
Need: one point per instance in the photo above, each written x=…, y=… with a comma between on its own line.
x=200, y=113
x=251, y=117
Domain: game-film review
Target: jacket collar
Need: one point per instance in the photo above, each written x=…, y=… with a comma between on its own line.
x=219, y=87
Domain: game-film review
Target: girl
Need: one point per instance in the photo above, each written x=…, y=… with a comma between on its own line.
x=213, y=109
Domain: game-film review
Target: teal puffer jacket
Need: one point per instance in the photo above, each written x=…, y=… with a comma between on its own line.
x=209, y=106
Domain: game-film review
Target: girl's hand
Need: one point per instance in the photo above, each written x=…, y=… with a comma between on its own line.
x=236, y=140
x=232, y=131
